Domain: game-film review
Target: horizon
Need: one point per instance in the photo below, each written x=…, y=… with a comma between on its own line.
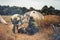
x=37, y=4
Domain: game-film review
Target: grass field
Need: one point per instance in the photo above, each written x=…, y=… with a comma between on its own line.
x=44, y=33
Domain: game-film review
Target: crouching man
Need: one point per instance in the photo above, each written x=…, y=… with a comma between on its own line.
x=32, y=27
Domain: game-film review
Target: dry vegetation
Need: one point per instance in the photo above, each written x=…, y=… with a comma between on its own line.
x=44, y=34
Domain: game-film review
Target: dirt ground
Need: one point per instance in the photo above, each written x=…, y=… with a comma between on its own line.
x=44, y=33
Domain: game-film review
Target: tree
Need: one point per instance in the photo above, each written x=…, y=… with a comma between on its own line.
x=31, y=8
x=24, y=9
x=51, y=10
x=44, y=9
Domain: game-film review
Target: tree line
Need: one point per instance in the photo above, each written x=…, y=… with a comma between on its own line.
x=7, y=10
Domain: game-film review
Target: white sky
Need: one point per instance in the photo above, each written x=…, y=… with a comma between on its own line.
x=37, y=4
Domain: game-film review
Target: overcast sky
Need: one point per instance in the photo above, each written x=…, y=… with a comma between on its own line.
x=37, y=4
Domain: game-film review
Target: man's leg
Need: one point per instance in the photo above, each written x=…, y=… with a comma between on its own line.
x=16, y=28
x=13, y=29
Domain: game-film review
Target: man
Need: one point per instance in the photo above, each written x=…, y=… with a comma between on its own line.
x=31, y=29
x=16, y=20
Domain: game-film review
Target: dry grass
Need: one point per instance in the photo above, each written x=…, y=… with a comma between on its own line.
x=45, y=30
x=45, y=24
